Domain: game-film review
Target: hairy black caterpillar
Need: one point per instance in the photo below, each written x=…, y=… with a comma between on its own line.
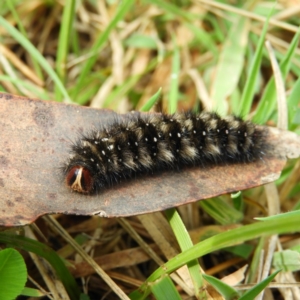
x=151, y=142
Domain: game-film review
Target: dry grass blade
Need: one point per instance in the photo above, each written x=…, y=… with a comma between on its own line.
x=60, y=230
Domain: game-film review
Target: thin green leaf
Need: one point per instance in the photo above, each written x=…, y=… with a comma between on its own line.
x=112, y=100
x=185, y=243
x=173, y=94
x=230, y=64
x=34, y=52
x=11, y=6
x=243, y=250
x=249, y=89
x=174, y=9
x=64, y=42
x=290, y=213
x=165, y=289
x=225, y=290
x=237, y=201
x=256, y=260
x=293, y=104
x=257, y=289
x=141, y=41
x=284, y=223
x=149, y=104
x=267, y=104
x=287, y=260
x=189, y=20
x=221, y=211
x=84, y=297
x=41, y=94
x=32, y=292
x=124, y=7
x=202, y=37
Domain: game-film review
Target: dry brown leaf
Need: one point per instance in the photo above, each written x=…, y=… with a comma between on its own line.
x=35, y=140
x=236, y=277
x=123, y=258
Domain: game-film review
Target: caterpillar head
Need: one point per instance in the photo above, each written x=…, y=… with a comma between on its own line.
x=80, y=179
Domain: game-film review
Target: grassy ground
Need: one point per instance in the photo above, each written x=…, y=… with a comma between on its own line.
x=203, y=55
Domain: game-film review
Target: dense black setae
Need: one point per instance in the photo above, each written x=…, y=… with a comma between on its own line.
x=141, y=144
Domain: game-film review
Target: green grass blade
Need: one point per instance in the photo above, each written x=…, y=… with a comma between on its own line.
x=287, y=260
x=274, y=217
x=201, y=35
x=38, y=92
x=221, y=211
x=141, y=41
x=267, y=104
x=63, y=43
x=165, y=289
x=30, y=292
x=112, y=100
x=11, y=6
x=124, y=7
x=228, y=292
x=284, y=223
x=249, y=89
x=257, y=289
x=174, y=9
x=149, y=104
x=230, y=65
x=173, y=94
x=185, y=243
x=256, y=260
x=35, y=53
x=203, y=38
x=243, y=250
x=293, y=104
